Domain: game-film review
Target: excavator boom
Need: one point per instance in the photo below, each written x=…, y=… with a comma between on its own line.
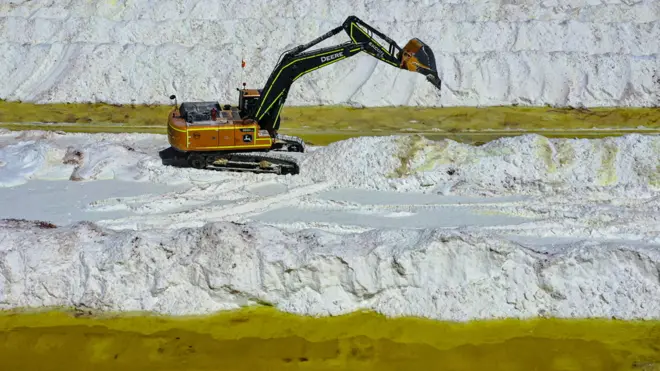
x=416, y=56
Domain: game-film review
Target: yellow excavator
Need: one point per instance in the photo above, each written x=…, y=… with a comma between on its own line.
x=207, y=135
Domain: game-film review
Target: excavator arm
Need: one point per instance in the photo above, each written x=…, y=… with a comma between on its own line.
x=296, y=62
x=415, y=56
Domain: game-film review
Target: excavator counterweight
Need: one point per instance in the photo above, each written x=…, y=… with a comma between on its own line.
x=207, y=135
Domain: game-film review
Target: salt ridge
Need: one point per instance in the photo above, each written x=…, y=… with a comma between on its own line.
x=513, y=165
x=442, y=275
x=558, y=53
x=526, y=164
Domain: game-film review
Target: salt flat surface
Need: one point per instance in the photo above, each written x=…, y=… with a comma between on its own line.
x=558, y=52
x=520, y=227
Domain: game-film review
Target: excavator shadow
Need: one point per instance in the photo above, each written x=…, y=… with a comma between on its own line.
x=170, y=157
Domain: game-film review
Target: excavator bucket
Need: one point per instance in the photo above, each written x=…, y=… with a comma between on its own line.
x=416, y=56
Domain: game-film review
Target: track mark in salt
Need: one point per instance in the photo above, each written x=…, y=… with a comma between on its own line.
x=399, y=214
x=196, y=217
x=268, y=189
x=385, y=198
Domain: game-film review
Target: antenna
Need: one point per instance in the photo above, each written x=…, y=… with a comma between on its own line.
x=243, y=63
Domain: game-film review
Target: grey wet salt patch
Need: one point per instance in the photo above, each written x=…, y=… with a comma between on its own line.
x=446, y=217
x=64, y=202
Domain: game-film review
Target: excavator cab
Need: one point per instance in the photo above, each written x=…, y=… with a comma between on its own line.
x=248, y=99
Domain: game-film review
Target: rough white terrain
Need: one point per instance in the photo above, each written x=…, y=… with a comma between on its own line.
x=519, y=227
x=488, y=52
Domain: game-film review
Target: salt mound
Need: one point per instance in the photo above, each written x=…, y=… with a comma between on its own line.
x=528, y=163
x=534, y=163
x=361, y=162
x=87, y=157
x=436, y=274
x=20, y=161
x=523, y=164
x=103, y=160
x=44, y=135
x=35, y=155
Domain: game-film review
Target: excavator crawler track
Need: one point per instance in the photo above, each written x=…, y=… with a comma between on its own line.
x=255, y=162
x=245, y=162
